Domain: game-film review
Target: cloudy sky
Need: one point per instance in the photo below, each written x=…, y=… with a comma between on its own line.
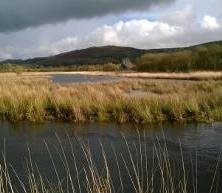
x=30, y=28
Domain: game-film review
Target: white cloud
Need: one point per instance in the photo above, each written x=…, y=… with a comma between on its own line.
x=182, y=17
x=63, y=45
x=138, y=33
x=210, y=23
x=181, y=28
x=6, y=53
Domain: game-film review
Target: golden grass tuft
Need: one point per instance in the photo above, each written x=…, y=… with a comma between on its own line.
x=129, y=100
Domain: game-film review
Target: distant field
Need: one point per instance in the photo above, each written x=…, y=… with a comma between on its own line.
x=32, y=97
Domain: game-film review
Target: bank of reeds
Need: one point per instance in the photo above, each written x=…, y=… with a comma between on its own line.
x=130, y=100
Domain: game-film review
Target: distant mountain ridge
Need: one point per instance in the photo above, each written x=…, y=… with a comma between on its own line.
x=92, y=55
x=100, y=55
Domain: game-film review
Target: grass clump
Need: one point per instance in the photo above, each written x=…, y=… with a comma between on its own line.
x=131, y=100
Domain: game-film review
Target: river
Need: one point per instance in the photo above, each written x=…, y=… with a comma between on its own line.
x=196, y=147
x=81, y=78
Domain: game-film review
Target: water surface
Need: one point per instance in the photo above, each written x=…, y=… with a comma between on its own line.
x=199, y=143
x=80, y=78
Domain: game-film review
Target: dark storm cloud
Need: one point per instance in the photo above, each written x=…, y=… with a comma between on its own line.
x=20, y=14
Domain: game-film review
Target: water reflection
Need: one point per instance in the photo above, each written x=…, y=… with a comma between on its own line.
x=200, y=142
x=78, y=78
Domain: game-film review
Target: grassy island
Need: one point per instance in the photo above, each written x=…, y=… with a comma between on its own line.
x=136, y=100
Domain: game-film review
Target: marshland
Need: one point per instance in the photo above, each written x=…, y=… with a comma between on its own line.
x=136, y=99
x=103, y=132
x=110, y=132
x=110, y=96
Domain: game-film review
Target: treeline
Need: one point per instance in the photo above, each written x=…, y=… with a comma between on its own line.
x=197, y=58
x=7, y=67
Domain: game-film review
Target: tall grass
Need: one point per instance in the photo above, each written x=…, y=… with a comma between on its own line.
x=130, y=100
x=137, y=170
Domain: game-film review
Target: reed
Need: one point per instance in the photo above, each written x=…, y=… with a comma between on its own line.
x=137, y=170
x=130, y=100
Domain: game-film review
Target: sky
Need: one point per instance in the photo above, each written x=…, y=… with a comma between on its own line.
x=36, y=28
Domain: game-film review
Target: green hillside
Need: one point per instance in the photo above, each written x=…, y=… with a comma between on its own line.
x=89, y=56
x=200, y=57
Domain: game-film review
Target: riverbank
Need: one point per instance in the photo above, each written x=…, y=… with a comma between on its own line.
x=34, y=97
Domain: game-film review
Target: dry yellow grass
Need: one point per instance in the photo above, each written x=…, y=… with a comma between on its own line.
x=202, y=75
x=130, y=100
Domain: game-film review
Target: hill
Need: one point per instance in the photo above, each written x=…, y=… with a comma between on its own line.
x=89, y=56
x=206, y=56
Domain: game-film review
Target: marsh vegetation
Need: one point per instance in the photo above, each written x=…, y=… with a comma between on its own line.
x=130, y=100
x=97, y=162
